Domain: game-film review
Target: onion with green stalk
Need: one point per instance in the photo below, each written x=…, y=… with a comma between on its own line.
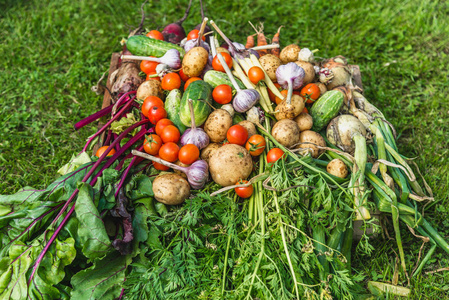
x=348, y=133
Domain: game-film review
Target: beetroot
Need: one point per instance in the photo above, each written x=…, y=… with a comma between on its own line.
x=174, y=32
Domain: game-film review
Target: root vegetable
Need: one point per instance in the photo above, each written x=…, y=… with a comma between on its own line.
x=322, y=86
x=270, y=63
x=150, y=88
x=194, y=62
x=286, y=132
x=289, y=53
x=171, y=189
x=249, y=127
x=221, y=49
x=337, y=168
x=340, y=71
x=309, y=139
x=229, y=164
x=174, y=32
x=126, y=78
x=180, y=173
x=208, y=151
x=290, y=110
x=290, y=76
x=309, y=71
x=304, y=121
x=340, y=132
x=217, y=124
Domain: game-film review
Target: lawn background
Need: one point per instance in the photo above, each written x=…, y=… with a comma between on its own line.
x=54, y=51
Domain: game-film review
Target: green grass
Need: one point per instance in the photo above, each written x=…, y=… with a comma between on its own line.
x=54, y=51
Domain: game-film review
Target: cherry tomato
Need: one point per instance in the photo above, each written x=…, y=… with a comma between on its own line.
x=154, y=34
x=255, y=74
x=216, y=64
x=189, y=81
x=159, y=166
x=149, y=102
x=271, y=95
x=101, y=150
x=245, y=191
x=310, y=92
x=274, y=154
x=153, y=73
x=156, y=113
x=171, y=81
x=152, y=144
x=147, y=66
x=170, y=134
x=161, y=125
x=278, y=100
x=222, y=94
x=255, y=145
x=188, y=154
x=183, y=76
x=169, y=152
x=237, y=134
x=194, y=35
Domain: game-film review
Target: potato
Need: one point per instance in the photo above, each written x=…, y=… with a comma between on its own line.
x=180, y=173
x=217, y=125
x=289, y=111
x=304, y=121
x=270, y=63
x=310, y=71
x=289, y=53
x=221, y=49
x=337, y=168
x=310, y=139
x=249, y=127
x=322, y=86
x=171, y=189
x=194, y=61
x=229, y=164
x=286, y=132
x=207, y=152
x=150, y=88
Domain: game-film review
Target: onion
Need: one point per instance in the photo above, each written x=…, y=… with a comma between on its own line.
x=194, y=135
x=193, y=43
x=341, y=131
x=197, y=173
x=341, y=75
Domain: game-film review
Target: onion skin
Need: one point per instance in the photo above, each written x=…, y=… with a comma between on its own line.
x=341, y=130
x=195, y=136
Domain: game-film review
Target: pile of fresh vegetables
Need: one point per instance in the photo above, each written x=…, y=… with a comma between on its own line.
x=227, y=171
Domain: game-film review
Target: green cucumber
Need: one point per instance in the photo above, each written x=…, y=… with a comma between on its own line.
x=326, y=108
x=201, y=94
x=215, y=78
x=145, y=46
x=172, y=104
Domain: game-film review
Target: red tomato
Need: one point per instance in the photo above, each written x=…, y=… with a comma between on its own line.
x=161, y=125
x=194, y=35
x=149, y=102
x=237, y=134
x=274, y=154
x=255, y=74
x=154, y=34
x=147, y=66
x=255, y=145
x=188, y=154
x=189, y=81
x=310, y=92
x=216, y=64
x=305, y=110
x=183, y=76
x=170, y=134
x=101, y=150
x=222, y=94
x=244, y=192
x=169, y=152
x=153, y=73
x=152, y=144
x=159, y=166
x=156, y=113
x=271, y=95
x=171, y=81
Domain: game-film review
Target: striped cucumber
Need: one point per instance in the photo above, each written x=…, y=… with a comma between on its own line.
x=172, y=104
x=326, y=108
x=215, y=78
x=145, y=46
x=201, y=94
